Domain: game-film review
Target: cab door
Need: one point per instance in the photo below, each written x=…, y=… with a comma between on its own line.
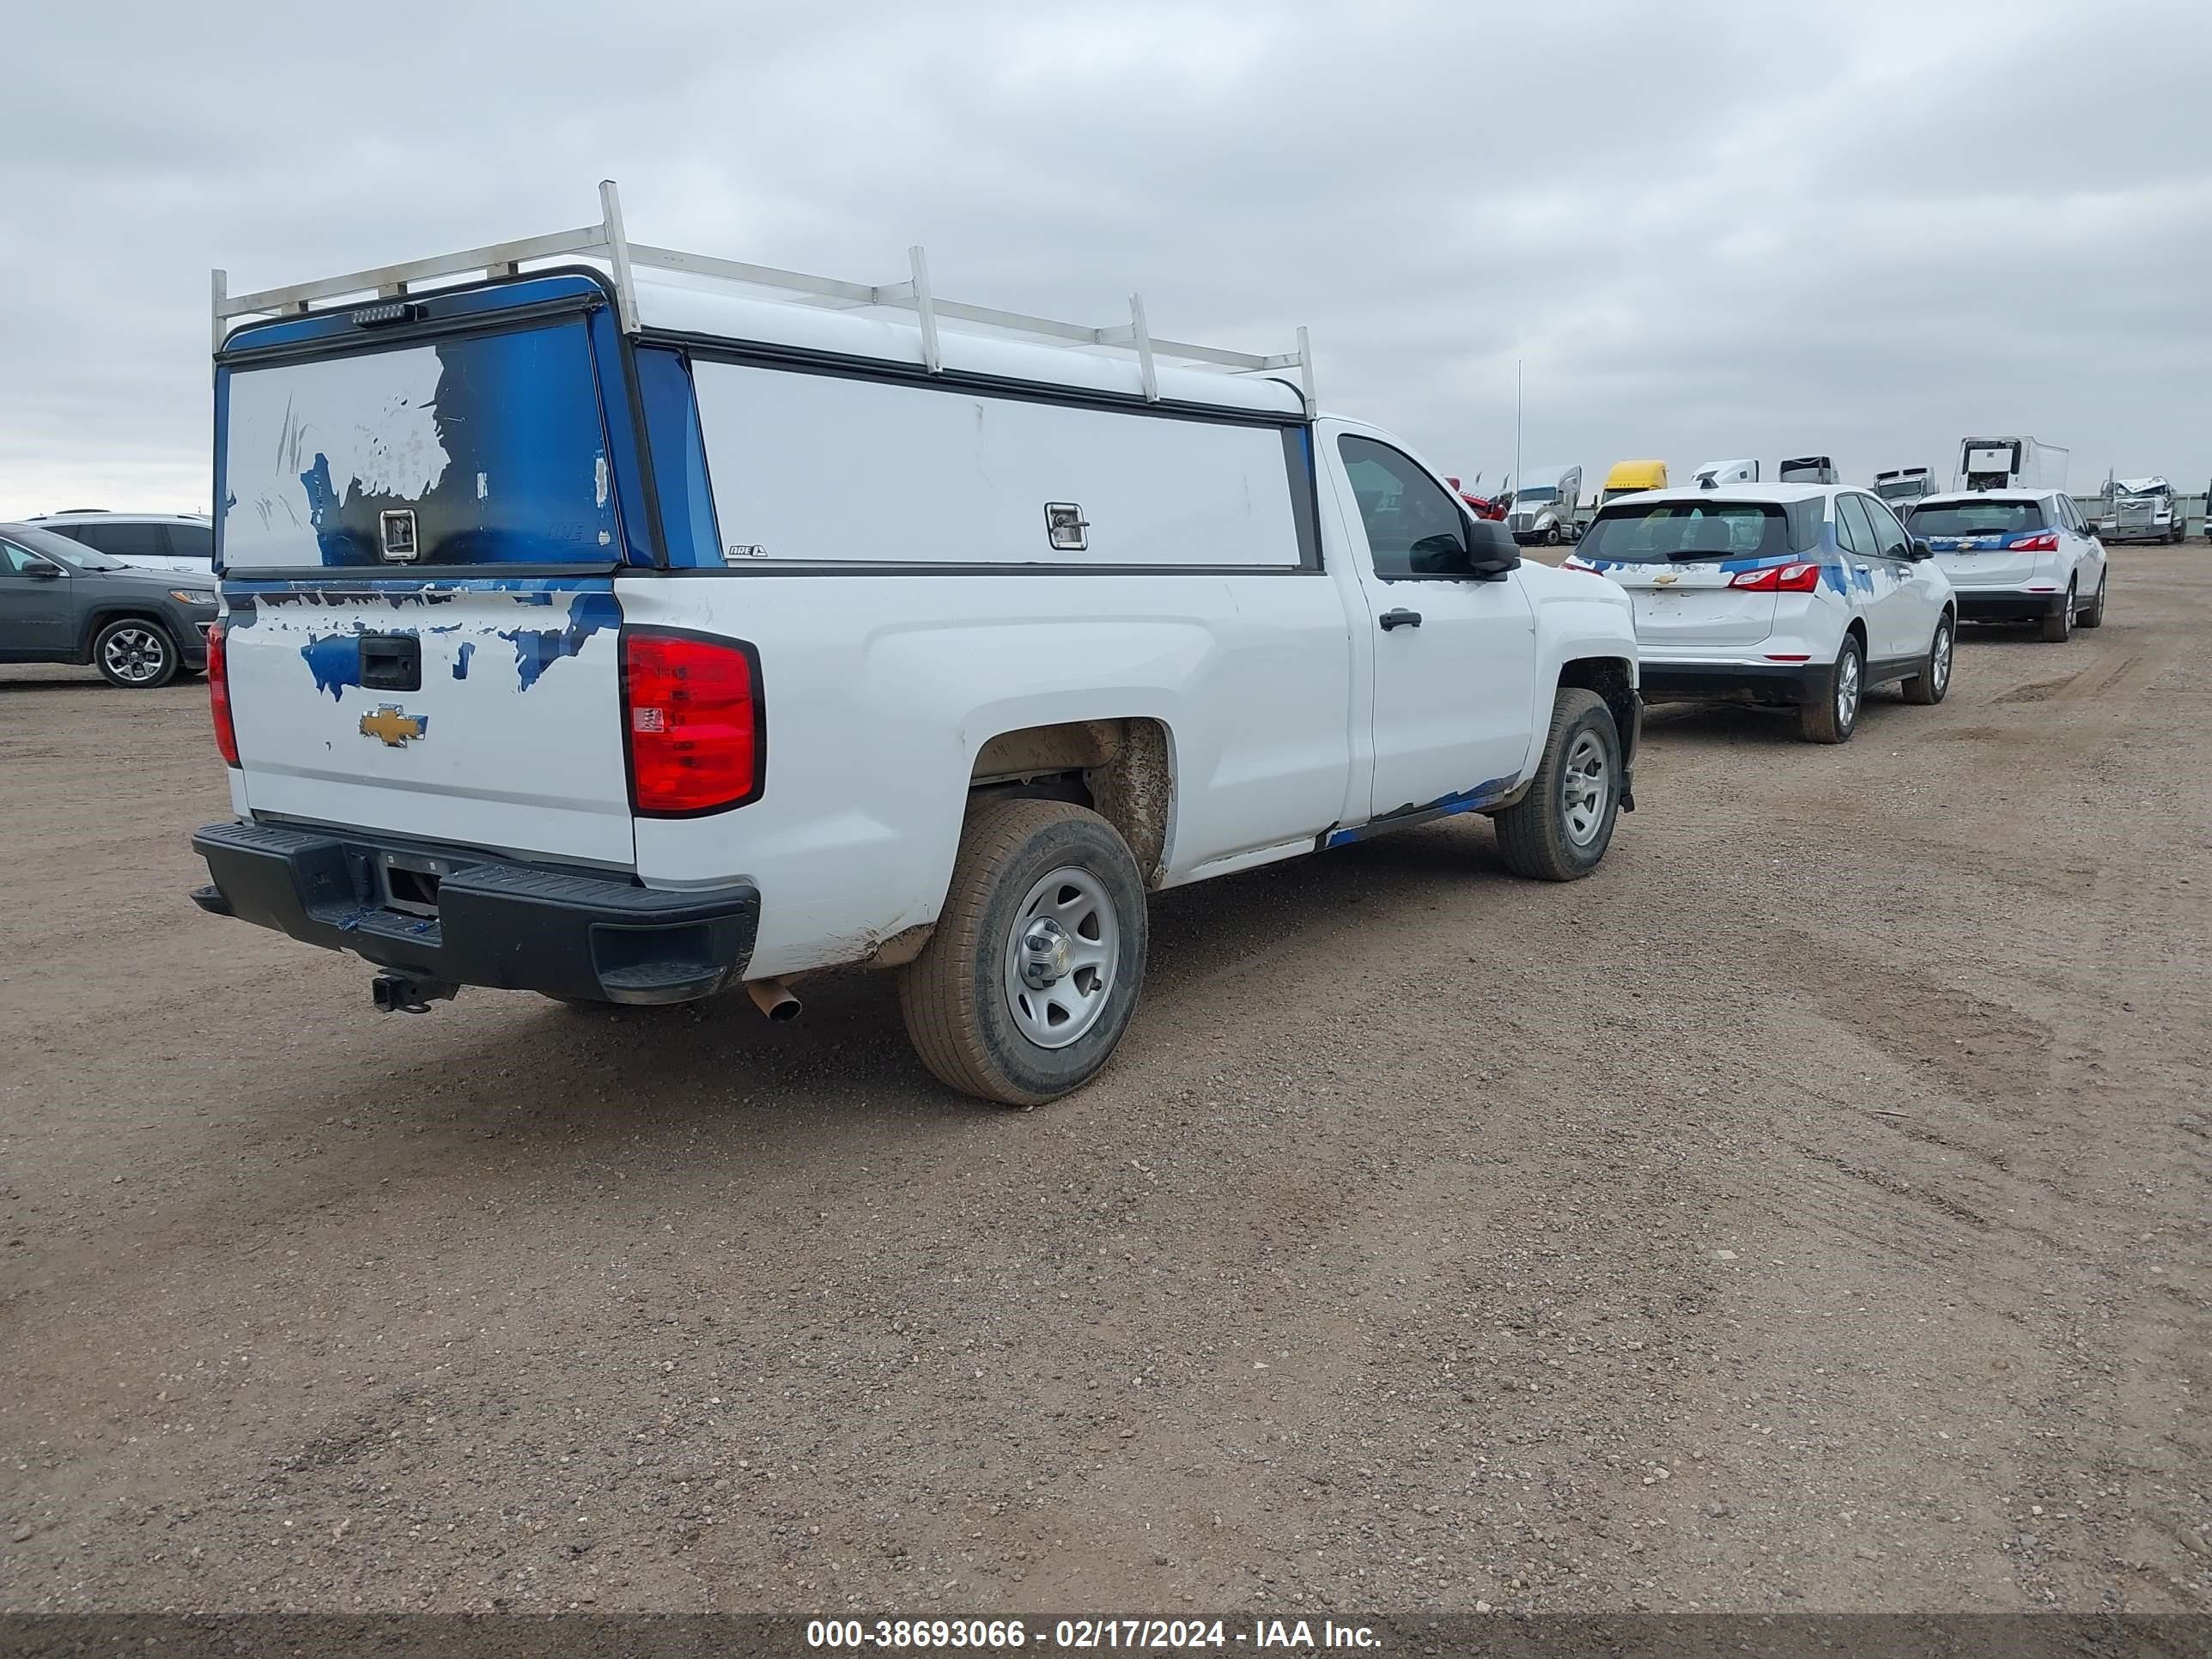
x=1454, y=654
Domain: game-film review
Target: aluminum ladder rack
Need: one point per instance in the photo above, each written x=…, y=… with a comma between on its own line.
x=605, y=240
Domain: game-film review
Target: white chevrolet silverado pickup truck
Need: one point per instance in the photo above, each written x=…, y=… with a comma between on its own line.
x=624, y=625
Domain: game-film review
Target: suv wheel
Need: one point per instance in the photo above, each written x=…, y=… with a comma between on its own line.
x=2092, y=614
x=1933, y=679
x=2058, y=625
x=1833, y=714
x=133, y=652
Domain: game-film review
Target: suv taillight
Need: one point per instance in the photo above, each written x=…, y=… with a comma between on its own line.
x=2046, y=542
x=218, y=679
x=693, y=721
x=1779, y=579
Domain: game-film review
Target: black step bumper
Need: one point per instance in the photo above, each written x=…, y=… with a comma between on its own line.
x=509, y=925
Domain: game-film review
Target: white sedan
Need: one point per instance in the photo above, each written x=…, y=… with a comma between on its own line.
x=1805, y=595
x=2017, y=556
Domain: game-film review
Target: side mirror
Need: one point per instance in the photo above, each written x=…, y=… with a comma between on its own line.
x=1492, y=555
x=1921, y=550
x=42, y=568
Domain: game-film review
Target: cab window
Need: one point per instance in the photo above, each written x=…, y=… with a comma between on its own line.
x=1414, y=528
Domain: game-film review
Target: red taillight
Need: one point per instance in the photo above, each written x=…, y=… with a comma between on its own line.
x=692, y=709
x=218, y=677
x=2046, y=542
x=1779, y=579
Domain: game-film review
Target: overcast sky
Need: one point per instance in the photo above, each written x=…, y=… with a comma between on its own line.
x=1705, y=230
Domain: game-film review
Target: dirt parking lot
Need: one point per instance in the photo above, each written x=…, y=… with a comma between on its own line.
x=1810, y=1211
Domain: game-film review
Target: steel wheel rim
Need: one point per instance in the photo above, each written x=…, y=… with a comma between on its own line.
x=1585, y=787
x=1847, y=689
x=136, y=654
x=1060, y=958
x=1943, y=663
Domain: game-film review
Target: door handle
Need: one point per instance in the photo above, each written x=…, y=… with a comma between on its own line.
x=1391, y=619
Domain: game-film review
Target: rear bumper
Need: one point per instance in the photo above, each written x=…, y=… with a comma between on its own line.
x=508, y=925
x=1729, y=682
x=2005, y=604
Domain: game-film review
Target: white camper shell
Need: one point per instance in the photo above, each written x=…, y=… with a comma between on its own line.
x=624, y=625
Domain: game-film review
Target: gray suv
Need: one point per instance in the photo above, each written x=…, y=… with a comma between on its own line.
x=60, y=601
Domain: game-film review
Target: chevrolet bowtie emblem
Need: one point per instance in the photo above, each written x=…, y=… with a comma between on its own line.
x=1657, y=581
x=393, y=726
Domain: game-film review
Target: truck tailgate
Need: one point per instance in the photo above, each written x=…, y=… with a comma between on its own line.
x=477, y=712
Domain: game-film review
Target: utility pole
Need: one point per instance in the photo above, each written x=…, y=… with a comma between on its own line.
x=1514, y=482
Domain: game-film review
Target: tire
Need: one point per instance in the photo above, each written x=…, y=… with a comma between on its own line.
x=135, y=654
x=1933, y=682
x=2092, y=614
x=1560, y=830
x=1551, y=535
x=1833, y=715
x=974, y=1018
x=2059, y=626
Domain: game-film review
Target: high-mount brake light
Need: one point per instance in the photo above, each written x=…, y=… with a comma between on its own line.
x=694, y=722
x=1779, y=579
x=218, y=679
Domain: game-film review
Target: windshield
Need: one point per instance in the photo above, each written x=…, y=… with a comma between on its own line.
x=1536, y=493
x=482, y=449
x=1975, y=518
x=1680, y=531
x=1901, y=489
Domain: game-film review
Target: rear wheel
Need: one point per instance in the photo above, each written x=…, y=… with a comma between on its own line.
x=1032, y=975
x=2058, y=625
x=1933, y=679
x=2092, y=614
x=1560, y=829
x=135, y=654
x=1833, y=713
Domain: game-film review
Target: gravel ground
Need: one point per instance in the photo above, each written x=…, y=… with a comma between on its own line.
x=1807, y=1211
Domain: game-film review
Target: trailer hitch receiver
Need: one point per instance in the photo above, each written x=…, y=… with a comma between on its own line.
x=398, y=993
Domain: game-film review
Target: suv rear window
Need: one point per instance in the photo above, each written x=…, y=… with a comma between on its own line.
x=1664, y=532
x=1976, y=518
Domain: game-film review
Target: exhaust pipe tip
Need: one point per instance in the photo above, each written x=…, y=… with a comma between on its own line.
x=774, y=997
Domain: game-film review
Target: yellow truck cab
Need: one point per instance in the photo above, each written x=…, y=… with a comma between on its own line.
x=1627, y=477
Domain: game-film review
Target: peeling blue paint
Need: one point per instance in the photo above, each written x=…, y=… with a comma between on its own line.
x=537, y=649
x=335, y=661
x=1467, y=800
x=461, y=660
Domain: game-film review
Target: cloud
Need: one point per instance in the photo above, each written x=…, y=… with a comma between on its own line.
x=1701, y=230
